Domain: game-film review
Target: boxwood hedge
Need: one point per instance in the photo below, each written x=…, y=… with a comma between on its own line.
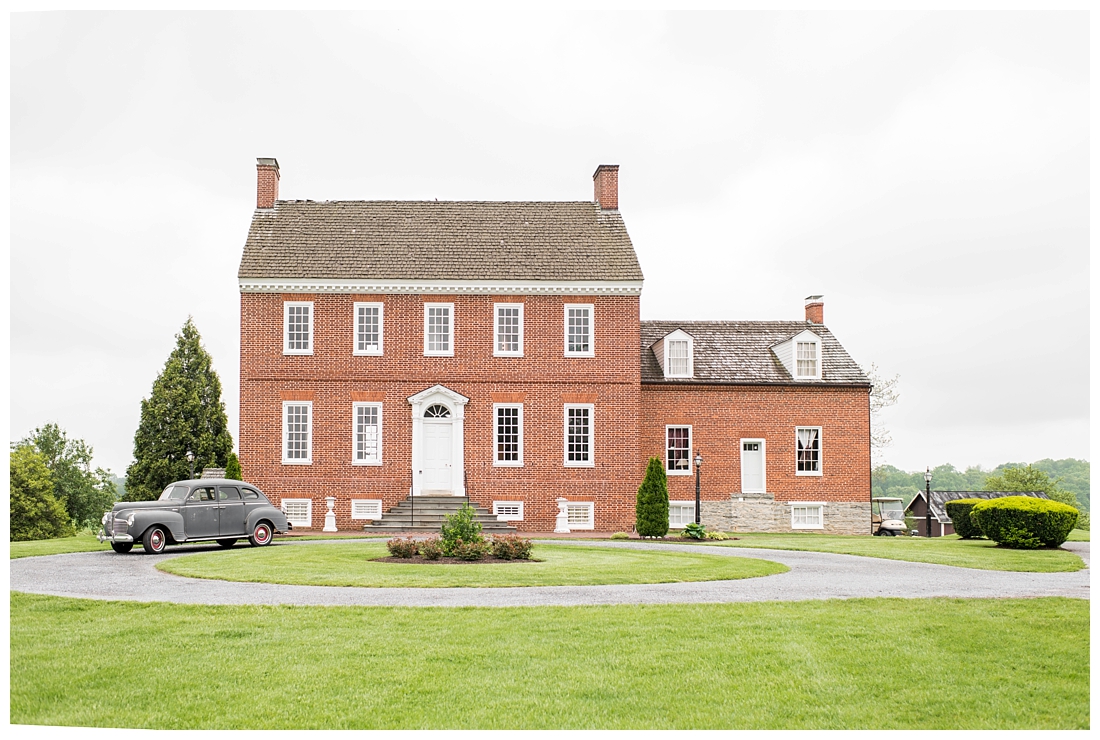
x=1024, y=522
x=959, y=511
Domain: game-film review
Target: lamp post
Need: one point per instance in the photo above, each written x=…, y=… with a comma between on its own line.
x=698, y=468
x=928, y=502
x=191, y=461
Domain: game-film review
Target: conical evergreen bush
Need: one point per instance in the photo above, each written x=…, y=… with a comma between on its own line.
x=651, y=510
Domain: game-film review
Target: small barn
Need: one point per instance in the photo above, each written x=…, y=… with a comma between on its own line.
x=941, y=522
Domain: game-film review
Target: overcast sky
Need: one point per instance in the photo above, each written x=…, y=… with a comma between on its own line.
x=927, y=172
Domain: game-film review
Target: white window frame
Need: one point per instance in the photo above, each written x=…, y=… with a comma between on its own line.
x=669, y=470
x=497, y=462
x=381, y=323
x=286, y=328
x=355, y=406
x=681, y=504
x=308, y=460
x=591, y=330
x=819, y=505
x=820, y=453
x=590, y=506
x=497, y=505
x=450, y=351
x=309, y=510
x=497, y=351
x=373, y=503
x=590, y=462
x=679, y=336
x=816, y=342
x=763, y=462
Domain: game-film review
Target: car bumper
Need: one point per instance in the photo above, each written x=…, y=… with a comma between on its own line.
x=104, y=537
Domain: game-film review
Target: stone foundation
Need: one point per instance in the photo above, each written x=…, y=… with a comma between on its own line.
x=762, y=513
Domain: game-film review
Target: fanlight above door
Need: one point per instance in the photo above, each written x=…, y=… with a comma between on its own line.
x=437, y=411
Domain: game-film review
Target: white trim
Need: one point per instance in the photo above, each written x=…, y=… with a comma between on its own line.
x=497, y=463
x=668, y=470
x=308, y=460
x=371, y=504
x=590, y=462
x=820, y=454
x=819, y=505
x=450, y=351
x=678, y=336
x=508, y=517
x=308, y=521
x=444, y=287
x=763, y=463
x=286, y=326
x=456, y=404
x=355, y=406
x=497, y=351
x=355, y=331
x=681, y=525
x=591, y=523
x=591, y=352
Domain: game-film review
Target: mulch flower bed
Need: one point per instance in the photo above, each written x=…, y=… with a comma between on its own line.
x=419, y=560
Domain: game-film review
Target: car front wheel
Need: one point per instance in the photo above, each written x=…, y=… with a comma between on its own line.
x=154, y=540
x=227, y=543
x=122, y=547
x=261, y=535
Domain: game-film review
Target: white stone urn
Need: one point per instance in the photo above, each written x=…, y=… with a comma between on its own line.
x=561, y=523
x=330, y=515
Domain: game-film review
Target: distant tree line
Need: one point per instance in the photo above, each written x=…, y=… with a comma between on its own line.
x=1063, y=480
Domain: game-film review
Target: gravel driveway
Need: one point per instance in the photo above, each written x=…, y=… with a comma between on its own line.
x=812, y=575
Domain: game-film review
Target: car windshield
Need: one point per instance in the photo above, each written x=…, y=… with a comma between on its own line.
x=893, y=513
x=174, y=492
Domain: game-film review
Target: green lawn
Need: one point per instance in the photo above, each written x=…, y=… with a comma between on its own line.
x=949, y=550
x=351, y=564
x=79, y=543
x=859, y=664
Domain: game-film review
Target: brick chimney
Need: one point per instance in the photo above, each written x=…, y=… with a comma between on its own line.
x=815, y=309
x=606, y=182
x=267, y=182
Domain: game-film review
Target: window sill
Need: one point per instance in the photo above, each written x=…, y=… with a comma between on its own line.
x=580, y=354
x=367, y=463
x=298, y=462
x=439, y=354
x=808, y=474
x=360, y=353
x=507, y=464
x=679, y=473
x=588, y=464
x=507, y=354
x=297, y=352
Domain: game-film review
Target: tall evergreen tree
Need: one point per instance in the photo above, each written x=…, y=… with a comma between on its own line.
x=651, y=509
x=184, y=412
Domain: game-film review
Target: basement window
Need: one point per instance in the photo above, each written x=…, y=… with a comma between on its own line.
x=366, y=508
x=299, y=511
x=581, y=514
x=508, y=511
x=806, y=515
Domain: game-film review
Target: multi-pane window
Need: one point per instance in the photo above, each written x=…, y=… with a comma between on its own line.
x=681, y=513
x=509, y=435
x=367, y=448
x=297, y=328
x=807, y=516
x=368, y=328
x=808, y=451
x=578, y=435
x=508, y=331
x=297, y=432
x=578, y=330
x=679, y=358
x=806, y=359
x=438, y=329
x=678, y=450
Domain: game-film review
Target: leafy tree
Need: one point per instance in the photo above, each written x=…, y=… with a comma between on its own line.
x=1029, y=478
x=35, y=513
x=233, y=467
x=184, y=412
x=884, y=394
x=651, y=509
x=1073, y=476
x=84, y=493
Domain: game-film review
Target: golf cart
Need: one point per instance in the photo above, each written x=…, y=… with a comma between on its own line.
x=887, y=516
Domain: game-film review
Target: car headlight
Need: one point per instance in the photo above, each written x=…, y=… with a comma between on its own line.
x=106, y=516
x=130, y=520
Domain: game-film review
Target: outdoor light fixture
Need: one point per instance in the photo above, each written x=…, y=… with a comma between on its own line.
x=191, y=461
x=698, y=468
x=928, y=502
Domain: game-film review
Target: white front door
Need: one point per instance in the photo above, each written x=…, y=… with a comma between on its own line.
x=437, y=457
x=752, y=466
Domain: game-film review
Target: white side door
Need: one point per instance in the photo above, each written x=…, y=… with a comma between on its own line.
x=437, y=458
x=753, y=479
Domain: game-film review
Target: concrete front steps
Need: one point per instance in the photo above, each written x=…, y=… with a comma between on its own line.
x=426, y=513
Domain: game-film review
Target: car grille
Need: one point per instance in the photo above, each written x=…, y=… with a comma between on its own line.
x=118, y=526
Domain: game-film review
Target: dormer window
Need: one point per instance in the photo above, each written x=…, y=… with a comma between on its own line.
x=676, y=354
x=807, y=359
x=801, y=355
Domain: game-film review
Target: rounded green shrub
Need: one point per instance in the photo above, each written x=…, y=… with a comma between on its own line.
x=1024, y=522
x=959, y=511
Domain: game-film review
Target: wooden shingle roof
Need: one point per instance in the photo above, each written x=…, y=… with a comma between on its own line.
x=438, y=240
x=740, y=352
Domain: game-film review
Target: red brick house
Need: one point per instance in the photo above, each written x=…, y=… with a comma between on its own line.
x=491, y=349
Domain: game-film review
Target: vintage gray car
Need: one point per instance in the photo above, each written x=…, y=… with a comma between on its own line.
x=194, y=511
